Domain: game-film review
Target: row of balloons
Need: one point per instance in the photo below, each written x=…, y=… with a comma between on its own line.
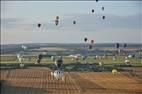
x=74, y=21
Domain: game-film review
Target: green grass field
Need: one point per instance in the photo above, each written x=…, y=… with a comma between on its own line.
x=68, y=60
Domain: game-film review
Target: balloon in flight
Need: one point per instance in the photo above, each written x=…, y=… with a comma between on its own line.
x=85, y=39
x=39, y=25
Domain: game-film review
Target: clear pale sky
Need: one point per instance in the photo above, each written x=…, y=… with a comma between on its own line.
x=19, y=21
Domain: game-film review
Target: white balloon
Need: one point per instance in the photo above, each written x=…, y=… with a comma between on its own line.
x=18, y=56
x=129, y=56
x=52, y=73
x=114, y=71
x=24, y=47
x=58, y=74
x=21, y=65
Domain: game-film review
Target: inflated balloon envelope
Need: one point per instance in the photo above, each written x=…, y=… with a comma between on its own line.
x=58, y=74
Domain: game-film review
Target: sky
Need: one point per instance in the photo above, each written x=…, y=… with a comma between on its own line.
x=122, y=24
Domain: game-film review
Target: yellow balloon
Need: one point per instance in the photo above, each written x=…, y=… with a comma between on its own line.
x=114, y=71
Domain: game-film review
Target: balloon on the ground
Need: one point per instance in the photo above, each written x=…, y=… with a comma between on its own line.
x=58, y=74
x=56, y=22
x=23, y=47
x=92, y=41
x=114, y=71
x=125, y=45
x=117, y=45
x=22, y=65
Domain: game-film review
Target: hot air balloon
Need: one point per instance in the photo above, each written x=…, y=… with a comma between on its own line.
x=39, y=25
x=39, y=58
x=90, y=46
x=103, y=17
x=117, y=45
x=23, y=47
x=85, y=39
x=58, y=74
x=92, y=10
x=114, y=71
x=57, y=17
x=56, y=22
x=53, y=58
x=84, y=57
x=125, y=45
x=21, y=59
x=74, y=22
x=59, y=62
x=103, y=8
x=92, y=41
x=97, y=0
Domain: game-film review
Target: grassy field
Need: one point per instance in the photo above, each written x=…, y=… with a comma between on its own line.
x=68, y=60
